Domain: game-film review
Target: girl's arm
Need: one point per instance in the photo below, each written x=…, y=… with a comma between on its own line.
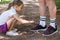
x=21, y=20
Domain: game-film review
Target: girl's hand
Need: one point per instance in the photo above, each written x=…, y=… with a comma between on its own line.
x=25, y=21
x=22, y=20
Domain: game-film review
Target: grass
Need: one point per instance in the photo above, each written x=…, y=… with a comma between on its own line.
x=5, y=2
x=58, y=3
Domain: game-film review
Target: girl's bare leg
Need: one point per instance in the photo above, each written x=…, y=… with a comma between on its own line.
x=11, y=22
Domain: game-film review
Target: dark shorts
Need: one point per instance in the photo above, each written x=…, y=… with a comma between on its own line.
x=3, y=28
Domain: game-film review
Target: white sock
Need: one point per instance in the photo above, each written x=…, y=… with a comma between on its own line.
x=42, y=21
x=52, y=22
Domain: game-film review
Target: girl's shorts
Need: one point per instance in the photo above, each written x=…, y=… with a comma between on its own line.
x=3, y=28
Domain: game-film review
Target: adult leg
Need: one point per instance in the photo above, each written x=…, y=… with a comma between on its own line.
x=42, y=6
x=42, y=23
x=52, y=29
x=52, y=8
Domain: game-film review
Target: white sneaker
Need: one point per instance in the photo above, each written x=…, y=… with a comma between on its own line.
x=12, y=33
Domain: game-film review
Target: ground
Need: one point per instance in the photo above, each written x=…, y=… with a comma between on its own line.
x=31, y=12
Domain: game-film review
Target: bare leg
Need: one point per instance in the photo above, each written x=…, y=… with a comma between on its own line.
x=42, y=7
x=52, y=8
x=52, y=11
x=52, y=29
x=11, y=23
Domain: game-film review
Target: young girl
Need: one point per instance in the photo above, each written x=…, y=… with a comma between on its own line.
x=52, y=29
x=9, y=17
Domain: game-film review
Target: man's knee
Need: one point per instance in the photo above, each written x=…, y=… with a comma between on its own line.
x=48, y=2
x=41, y=1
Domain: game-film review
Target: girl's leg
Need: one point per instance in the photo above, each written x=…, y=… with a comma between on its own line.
x=52, y=11
x=11, y=22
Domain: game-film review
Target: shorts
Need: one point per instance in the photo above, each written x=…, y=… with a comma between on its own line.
x=3, y=28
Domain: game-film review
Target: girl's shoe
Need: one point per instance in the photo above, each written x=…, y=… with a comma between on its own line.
x=12, y=33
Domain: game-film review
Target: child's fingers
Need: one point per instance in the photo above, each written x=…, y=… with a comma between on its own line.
x=31, y=21
x=25, y=21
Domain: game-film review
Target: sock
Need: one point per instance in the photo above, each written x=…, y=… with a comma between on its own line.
x=52, y=22
x=42, y=21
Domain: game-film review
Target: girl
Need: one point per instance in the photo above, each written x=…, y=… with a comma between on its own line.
x=52, y=29
x=9, y=17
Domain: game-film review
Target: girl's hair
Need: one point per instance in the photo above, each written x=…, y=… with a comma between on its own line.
x=15, y=2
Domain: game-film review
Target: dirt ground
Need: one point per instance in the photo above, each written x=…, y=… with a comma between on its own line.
x=31, y=12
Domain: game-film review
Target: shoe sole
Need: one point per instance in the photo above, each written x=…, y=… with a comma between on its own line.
x=39, y=30
x=11, y=35
x=50, y=34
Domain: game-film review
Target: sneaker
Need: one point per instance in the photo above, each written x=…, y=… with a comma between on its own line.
x=50, y=31
x=38, y=28
x=12, y=33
